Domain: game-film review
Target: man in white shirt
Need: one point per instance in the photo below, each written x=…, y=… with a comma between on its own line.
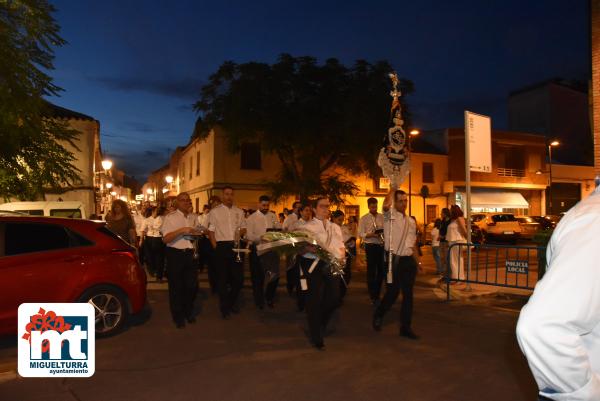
x=323, y=293
x=257, y=224
x=370, y=229
x=177, y=227
x=226, y=225
x=559, y=328
x=400, y=235
x=292, y=272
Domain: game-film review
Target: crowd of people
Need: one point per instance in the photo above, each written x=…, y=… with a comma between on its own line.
x=175, y=243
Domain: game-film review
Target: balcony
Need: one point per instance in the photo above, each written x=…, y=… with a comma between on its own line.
x=510, y=172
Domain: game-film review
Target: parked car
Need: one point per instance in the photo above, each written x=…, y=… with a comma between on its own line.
x=498, y=226
x=529, y=226
x=545, y=224
x=47, y=259
x=71, y=209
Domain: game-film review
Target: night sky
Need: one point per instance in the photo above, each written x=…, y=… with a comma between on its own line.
x=137, y=66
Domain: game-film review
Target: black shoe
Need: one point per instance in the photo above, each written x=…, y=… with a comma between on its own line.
x=319, y=345
x=377, y=322
x=235, y=310
x=408, y=333
x=225, y=315
x=191, y=319
x=180, y=325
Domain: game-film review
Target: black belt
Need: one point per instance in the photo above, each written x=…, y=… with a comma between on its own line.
x=225, y=242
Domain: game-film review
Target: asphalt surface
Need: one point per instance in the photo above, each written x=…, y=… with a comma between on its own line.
x=467, y=351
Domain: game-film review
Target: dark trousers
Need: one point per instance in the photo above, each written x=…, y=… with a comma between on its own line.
x=375, y=269
x=322, y=297
x=230, y=275
x=291, y=274
x=183, y=283
x=206, y=259
x=261, y=267
x=155, y=256
x=347, y=275
x=404, y=272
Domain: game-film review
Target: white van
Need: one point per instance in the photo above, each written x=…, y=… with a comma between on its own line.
x=72, y=209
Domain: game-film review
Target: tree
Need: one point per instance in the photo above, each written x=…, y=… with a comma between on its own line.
x=313, y=117
x=32, y=159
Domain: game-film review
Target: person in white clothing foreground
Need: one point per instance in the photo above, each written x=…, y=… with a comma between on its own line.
x=558, y=329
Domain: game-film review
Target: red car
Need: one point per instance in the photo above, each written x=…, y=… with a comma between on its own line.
x=48, y=259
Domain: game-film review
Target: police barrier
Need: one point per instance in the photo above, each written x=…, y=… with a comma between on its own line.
x=511, y=266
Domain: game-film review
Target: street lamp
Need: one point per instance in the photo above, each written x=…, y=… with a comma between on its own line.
x=550, y=146
x=109, y=185
x=169, y=179
x=107, y=164
x=413, y=132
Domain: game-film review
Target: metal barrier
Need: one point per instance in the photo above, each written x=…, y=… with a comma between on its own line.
x=509, y=266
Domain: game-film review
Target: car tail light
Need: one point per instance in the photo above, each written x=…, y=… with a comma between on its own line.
x=126, y=252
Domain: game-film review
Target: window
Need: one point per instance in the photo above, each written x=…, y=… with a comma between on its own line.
x=70, y=213
x=428, y=172
x=23, y=238
x=250, y=155
x=182, y=176
x=191, y=165
x=198, y=205
x=197, y=163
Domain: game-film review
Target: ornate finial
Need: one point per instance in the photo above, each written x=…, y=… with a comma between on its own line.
x=395, y=93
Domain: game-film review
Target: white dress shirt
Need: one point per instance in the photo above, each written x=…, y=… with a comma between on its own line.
x=559, y=328
x=224, y=221
x=328, y=236
x=289, y=222
x=403, y=229
x=138, y=219
x=174, y=221
x=368, y=224
x=152, y=226
x=258, y=223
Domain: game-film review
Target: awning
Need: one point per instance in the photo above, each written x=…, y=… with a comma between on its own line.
x=511, y=200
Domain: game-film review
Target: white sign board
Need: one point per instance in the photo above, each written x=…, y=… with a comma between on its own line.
x=478, y=129
x=139, y=197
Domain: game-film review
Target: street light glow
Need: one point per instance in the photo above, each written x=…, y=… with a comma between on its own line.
x=113, y=193
x=415, y=132
x=109, y=185
x=554, y=143
x=149, y=191
x=107, y=164
x=169, y=179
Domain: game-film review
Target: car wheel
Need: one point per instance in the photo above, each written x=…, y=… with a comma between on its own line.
x=110, y=306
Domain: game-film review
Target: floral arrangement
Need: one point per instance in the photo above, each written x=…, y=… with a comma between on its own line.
x=293, y=243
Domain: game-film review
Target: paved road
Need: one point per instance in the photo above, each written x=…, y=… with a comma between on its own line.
x=467, y=352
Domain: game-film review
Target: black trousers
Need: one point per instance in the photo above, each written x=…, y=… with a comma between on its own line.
x=375, y=269
x=155, y=256
x=230, y=275
x=206, y=259
x=183, y=283
x=347, y=275
x=404, y=272
x=291, y=274
x=322, y=297
x=261, y=267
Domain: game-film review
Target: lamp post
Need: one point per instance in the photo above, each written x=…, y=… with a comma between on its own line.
x=412, y=133
x=550, y=146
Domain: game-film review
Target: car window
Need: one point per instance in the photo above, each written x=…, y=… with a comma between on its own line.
x=477, y=217
x=20, y=238
x=503, y=217
x=71, y=213
x=34, y=212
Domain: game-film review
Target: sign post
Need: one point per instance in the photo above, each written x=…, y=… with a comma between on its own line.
x=478, y=141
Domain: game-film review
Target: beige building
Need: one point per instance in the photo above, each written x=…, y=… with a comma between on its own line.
x=87, y=158
x=518, y=182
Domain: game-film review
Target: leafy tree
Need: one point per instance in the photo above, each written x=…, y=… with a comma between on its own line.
x=313, y=116
x=32, y=159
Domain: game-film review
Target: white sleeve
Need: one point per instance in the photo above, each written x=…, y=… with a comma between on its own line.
x=362, y=230
x=167, y=226
x=210, y=222
x=564, y=307
x=242, y=219
x=251, y=229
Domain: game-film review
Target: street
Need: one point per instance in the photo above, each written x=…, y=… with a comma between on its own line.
x=467, y=351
